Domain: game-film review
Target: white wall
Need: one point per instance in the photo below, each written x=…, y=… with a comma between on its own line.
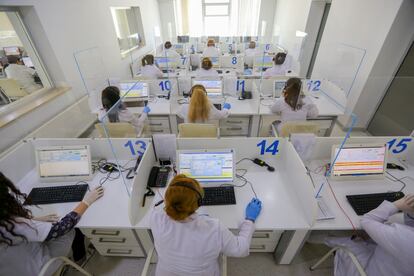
x=166, y=9
x=267, y=14
x=60, y=28
x=291, y=16
x=365, y=27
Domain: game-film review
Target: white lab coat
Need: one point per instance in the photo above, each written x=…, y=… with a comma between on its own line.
x=308, y=110
x=215, y=114
x=275, y=70
x=24, y=76
x=126, y=116
x=28, y=258
x=151, y=71
x=201, y=73
x=170, y=53
x=249, y=52
x=211, y=52
x=391, y=251
x=192, y=247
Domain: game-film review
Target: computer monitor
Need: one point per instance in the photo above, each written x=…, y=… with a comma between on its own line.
x=214, y=60
x=27, y=61
x=279, y=86
x=64, y=163
x=183, y=39
x=207, y=166
x=11, y=51
x=263, y=62
x=166, y=62
x=363, y=161
x=179, y=48
x=132, y=91
x=214, y=88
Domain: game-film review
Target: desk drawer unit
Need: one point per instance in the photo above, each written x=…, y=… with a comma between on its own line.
x=235, y=126
x=159, y=124
x=263, y=240
x=114, y=242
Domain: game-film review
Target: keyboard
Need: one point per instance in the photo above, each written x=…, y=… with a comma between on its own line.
x=364, y=203
x=219, y=196
x=57, y=194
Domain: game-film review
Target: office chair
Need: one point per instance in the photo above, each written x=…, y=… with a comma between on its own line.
x=116, y=130
x=347, y=251
x=296, y=127
x=12, y=89
x=65, y=261
x=151, y=253
x=198, y=130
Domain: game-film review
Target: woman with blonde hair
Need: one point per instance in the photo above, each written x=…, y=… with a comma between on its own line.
x=211, y=50
x=189, y=243
x=206, y=69
x=200, y=109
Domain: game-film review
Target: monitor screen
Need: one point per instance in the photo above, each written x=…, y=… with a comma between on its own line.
x=358, y=161
x=183, y=39
x=27, y=61
x=11, y=51
x=166, y=62
x=207, y=166
x=63, y=162
x=278, y=88
x=134, y=89
x=263, y=61
x=213, y=87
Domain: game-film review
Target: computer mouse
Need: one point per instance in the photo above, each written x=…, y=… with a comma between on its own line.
x=227, y=72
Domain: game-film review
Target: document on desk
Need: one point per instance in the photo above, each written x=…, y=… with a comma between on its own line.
x=165, y=146
x=323, y=210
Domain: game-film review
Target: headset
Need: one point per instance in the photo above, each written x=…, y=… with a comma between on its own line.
x=192, y=88
x=191, y=187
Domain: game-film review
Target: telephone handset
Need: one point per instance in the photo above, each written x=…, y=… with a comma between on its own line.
x=158, y=177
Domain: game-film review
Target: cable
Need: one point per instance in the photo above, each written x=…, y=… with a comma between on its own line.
x=342, y=209
x=243, y=160
x=399, y=180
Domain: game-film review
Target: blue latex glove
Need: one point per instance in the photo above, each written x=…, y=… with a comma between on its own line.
x=146, y=109
x=253, y=209
x=226, y=106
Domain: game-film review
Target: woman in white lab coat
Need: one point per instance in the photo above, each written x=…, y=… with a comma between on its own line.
x=22, y=74
x=211, y=50
x=278, y=68
x=206, y=69
x=200, y=109
x=251, y=51
x=114, y=110
x=391, y=250
x=293, y=106
x=189, y=243
x=27, y=242
x=148, y=69
x=169, y=51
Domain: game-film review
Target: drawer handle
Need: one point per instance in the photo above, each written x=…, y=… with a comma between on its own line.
x=234, y=122
x=157, y=130
x=119, y=251
x=258, y=247
x=234, y=128
x=112, y=240
x=261, y=235
x=105, y=232
x=153, y=124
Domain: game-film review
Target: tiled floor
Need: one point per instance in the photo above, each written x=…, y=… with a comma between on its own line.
x=257, y=264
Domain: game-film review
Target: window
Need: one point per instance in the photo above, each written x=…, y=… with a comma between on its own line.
x=216, y=15
x=21, y=70
x=128, y=27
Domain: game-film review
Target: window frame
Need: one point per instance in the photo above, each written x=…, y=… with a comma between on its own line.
x=204, y=5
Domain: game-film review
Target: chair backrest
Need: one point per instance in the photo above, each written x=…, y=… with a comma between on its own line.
x=197, y=130
x=298, y=127
x=12, y=89
x=116, y=130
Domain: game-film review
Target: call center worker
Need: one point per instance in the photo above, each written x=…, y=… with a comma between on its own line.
x=118, y=112
x=391, y=248
x=200, y=109
x=26, y=242
x=189, y=243
x=169, y=51
x=293, y=106
x=148, y=69
x=277, y=69
x=251, y=51
x=22, y=74
x=211, y=50
x=206, y=69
